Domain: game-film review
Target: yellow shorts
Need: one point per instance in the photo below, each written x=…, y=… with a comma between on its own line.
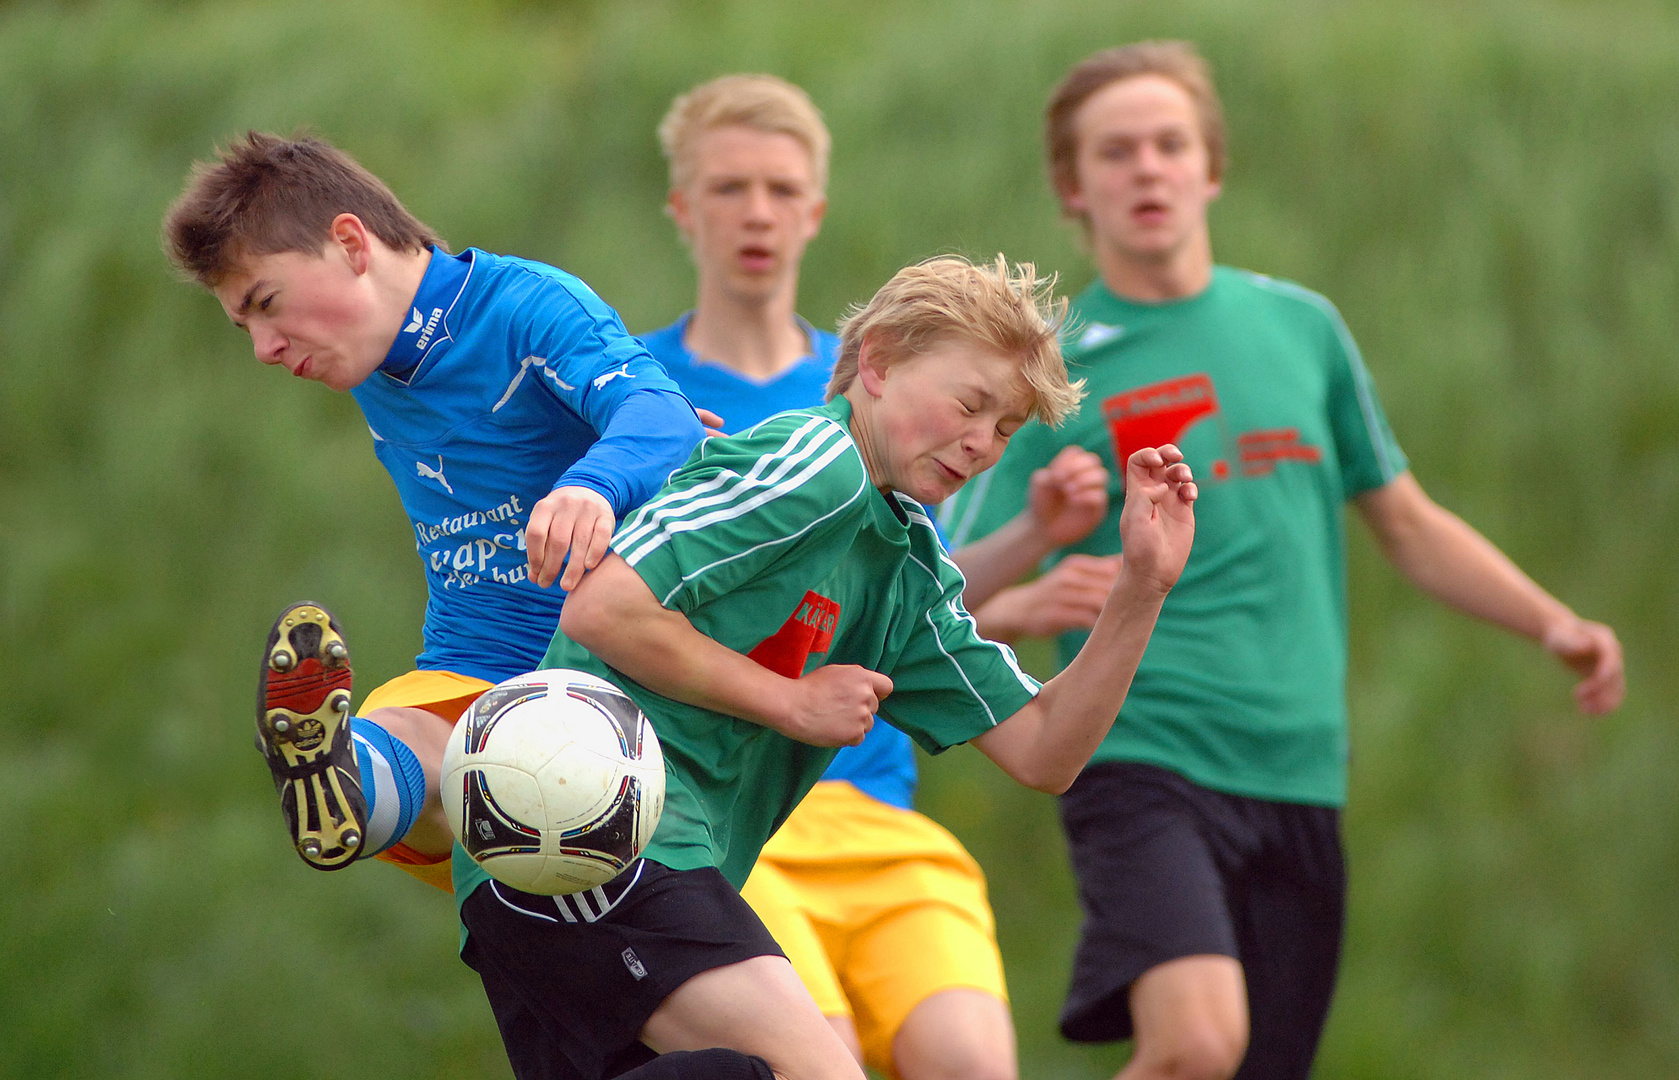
x=448, y=695
x=878, y=908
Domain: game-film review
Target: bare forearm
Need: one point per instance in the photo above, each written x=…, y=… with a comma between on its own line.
x=1448, y=559
x=614, y=616
x=1001, y=559
x=1047, y=742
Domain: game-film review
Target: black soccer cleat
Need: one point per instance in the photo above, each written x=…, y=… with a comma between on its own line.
x=303, y=730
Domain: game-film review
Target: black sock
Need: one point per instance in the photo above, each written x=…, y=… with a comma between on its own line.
x=714, y=1064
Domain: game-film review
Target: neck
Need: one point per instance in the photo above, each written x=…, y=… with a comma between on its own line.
x=756, y=337
x=862, y=433
x=397, y=277
x=1183, y=272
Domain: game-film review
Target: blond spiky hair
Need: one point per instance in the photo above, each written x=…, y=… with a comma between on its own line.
x=1007, y=309
x=761, y=102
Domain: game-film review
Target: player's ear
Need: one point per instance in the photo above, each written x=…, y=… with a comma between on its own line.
x=818, y=211
x=871, y=366
x=676, y=205
x=350, y=236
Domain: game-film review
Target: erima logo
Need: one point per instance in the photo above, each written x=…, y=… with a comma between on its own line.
x=429, y=327
x=634, y=964
x=1099, y=334
x=609, y=376
x=426, y=472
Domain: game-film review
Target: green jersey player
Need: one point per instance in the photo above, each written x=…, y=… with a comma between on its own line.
x=784, y=588
x=1205, y=835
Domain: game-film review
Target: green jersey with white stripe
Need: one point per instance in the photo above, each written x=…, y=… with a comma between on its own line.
x=774, y=543
x=1243, y=686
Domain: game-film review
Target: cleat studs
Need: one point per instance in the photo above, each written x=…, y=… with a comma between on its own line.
x=335, y=651
x=310, y=849
x=341, y=702
x=282, y=725
x=282, y=661
x=351, y=839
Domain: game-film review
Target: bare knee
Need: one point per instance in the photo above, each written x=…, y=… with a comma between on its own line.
x=956, y=1035
x=1194, y=1052
x=1191, y=1020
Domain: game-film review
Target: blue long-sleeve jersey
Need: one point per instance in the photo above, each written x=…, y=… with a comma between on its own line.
x=508, y=379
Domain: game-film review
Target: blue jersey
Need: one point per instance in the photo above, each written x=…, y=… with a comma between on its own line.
x=508, y=379
x=883, y=766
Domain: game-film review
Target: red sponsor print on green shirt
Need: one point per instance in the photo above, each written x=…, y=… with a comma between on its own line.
x=810, y=629
x=1161, y=412
x=1261, y=450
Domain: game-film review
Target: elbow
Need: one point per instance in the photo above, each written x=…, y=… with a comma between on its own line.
x=1049, y=779
x=582, y=617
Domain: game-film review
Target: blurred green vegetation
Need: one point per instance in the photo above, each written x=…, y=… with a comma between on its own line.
x=1490, y=191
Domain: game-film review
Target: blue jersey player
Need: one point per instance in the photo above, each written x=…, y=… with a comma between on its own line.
x=517, y=417
x=910, y=976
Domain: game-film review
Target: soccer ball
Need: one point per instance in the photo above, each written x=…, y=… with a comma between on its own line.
x=553, y=781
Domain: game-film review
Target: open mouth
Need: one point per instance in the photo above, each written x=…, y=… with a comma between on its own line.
x=1150, y=212
x=756, y=258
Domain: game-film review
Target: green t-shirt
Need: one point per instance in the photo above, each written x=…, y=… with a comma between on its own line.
x=774, y=543
x=1243, y=686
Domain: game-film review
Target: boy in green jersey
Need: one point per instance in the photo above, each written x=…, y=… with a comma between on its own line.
x=1205, y=833
x=783, y=588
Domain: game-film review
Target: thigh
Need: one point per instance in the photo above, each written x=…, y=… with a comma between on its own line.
x=1151, y=886
x=938, y=938
x=1291, y=913
x=775, y=895
x=758, y=1007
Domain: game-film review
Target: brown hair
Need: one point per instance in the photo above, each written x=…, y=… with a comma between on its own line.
x=1007, y=309
x=1174, y=60
x=265, y=194
x=761, y=102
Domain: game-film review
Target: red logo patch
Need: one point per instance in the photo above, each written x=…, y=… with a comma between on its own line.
x=810, y=629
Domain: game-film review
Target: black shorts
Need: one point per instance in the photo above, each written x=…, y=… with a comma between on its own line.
x=572, y=980
x=1168, y=869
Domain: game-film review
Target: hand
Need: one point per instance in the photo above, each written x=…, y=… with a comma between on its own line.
x=712, y=423
x=1069, y=496
x=835, y=705
x=569, y=521
x=1068, y=597
x=1157, y=524
x=1593, y=651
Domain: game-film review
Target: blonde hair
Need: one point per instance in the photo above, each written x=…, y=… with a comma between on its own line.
x=1174, y=60
x=1006, y=309
x=760, y=102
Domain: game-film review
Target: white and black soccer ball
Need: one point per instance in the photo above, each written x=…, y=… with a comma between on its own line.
x=553, y=781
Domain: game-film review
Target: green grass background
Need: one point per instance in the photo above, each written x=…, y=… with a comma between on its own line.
x=1490, y=191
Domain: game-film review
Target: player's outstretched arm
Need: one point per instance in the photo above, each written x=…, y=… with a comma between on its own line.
x=1066, y=499
x=615, y=615
x=1446, y=558
x=1047, y=742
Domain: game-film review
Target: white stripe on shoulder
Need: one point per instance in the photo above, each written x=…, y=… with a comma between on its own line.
x=723, y=515
x=724, y=486
x=1355, y=362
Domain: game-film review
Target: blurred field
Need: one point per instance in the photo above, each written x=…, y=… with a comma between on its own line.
x=1489, y=191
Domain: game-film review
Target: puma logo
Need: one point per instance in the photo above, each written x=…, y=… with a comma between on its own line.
x=426, y=472
x=609, y=376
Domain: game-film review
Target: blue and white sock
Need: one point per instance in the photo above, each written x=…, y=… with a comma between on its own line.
x=392, y=782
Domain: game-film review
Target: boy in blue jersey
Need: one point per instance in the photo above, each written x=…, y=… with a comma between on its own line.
x=882, y=912
x=517, y=417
